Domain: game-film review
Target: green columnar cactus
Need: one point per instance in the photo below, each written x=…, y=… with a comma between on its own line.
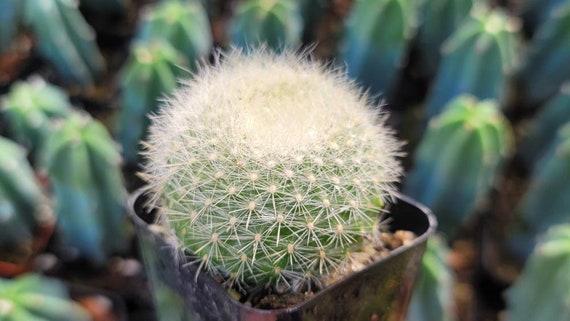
x=149, y=74
x=458, y=158
x=433, y=293
x=184, y=25
x=84, y=172
x=65, y=39
x=543, y=131
x=30, y=108
x=270, y=169
x=21, y=209
x=439, y=18
x=541, y=292
x=33, y=297
x=536, y=12
x=477, y=59
x=546, y=66
x=545, y=203
x=10, y=11
x=375, y=41
x=273, y=23
x=106, y=6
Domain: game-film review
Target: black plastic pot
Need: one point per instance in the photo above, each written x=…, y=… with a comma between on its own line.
x=380, y=292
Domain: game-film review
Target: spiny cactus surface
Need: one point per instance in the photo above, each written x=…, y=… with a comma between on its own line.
x=458, y=158
x=270, y=169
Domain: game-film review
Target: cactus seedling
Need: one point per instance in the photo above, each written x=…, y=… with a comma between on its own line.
x=541, y=292
x=477, y=59
x=270, y=169
x=458, y=158
x=84, y=171
x=34, y=297
x=183, y=24
x=375, y=42
x=273, y=23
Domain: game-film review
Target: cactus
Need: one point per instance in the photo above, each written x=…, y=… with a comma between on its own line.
x=542, y=133
x=84, y=172
x=433, y=291
x=439, y=18
x=375, y=41
x=546, y=66
x=478, y=59
x=270, y=169
x=21, y=200
x=543, y=206
x=541, y=292
x=458, y=159
x=65, y=39
x=273, y=23
x=149, y=74
x=106, y=6
x=34, y=297
x=536, y=12
x=30, y=108
x=183, y=24
x=10, y=12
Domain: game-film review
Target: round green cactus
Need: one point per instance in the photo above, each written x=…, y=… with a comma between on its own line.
x=270, y=169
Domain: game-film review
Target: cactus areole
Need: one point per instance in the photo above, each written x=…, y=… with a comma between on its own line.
x=271, y=170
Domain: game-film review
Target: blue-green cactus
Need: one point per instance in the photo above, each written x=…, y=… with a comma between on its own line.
x=270, y=169
x=106, y=6
x=83, y=165
x=478, y=59
x=433, y=292
x=375, y=41
x=541, y=292
x=458, y=159
x=536, y=12
x=65, y=39
x=546, y=66
x=149, y=74
x=184, y=25
x=10, y=16
x=544, y=127
x=274, y=23
x=30, y=108
x=22, y=207
x=33, y=297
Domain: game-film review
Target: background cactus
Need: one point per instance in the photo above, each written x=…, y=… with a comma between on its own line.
x=478, y=59
x=433, y=293
x=33, y=297
x=184, y=25
x=541, y=292
x=274, y=23
x=270, y=182
x=83, y=167
x=375, y=41
x=149, y=74
x=30, y=108
x=22, y=207
x=65, y=39
x=458, y=158
x=546, y=67
x=10, y=16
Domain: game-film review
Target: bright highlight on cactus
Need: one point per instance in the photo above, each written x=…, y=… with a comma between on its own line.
x=270, y=169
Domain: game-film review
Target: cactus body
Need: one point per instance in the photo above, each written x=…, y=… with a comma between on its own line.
x=439, y=18
x=541, y=292
x=477, y=59
x=433, y=291
x=83, y=168
x=546, y=67
x=273, y=23
x=10, y=12
x=30, y=108
x=375, y=41
x=183, y=24
x=20, y=196
x=545, y=126
x=149, y=74
x=34, y=297
x=65, y=39
x=270, y=169
x=458, y=158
